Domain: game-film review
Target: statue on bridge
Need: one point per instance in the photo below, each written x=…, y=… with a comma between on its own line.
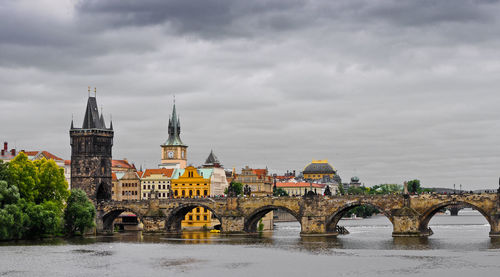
x=327, y=191
x=247, y=190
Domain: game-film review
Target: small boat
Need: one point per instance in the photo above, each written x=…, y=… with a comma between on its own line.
x=214, y=231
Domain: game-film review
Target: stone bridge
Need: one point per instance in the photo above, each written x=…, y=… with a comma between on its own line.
x=409, y=214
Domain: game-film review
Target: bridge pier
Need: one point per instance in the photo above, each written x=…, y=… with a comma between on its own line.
x=232, y=224
x=314, y=226
x=406, y=223
x=153, y=224
x=454, y=211
x=495, y=225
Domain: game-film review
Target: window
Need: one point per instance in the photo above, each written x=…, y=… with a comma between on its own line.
x=175, y=193
x=205, y=192
x=204, y=217
x=183, y=193
x=197, y=217
x=190, y=193
x=197, y=210
x=190, y=217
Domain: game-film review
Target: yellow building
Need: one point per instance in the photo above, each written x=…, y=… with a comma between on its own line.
x=193, y=183
x=318, y=170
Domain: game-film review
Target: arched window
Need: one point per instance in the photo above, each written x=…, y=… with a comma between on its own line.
x=183, y=193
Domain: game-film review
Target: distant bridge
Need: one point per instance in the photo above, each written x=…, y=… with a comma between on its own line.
x=409, y=214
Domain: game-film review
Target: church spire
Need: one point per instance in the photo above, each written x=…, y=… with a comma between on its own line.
x=174, y=129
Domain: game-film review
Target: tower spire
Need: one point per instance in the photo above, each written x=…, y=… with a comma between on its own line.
x=174, y=128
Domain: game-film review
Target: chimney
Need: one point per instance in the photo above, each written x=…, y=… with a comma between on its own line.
x=13, y=152
x=5, y=146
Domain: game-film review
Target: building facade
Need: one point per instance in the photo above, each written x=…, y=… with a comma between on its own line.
x=300, y=188
x=156, y=181
x=258, y=180
x=126, y=186
x=193, y=183
x=91, y=154
x=218, y=180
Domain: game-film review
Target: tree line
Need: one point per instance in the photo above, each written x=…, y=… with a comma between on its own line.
x=35, y=201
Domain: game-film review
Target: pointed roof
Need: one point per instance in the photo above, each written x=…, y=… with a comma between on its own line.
x=212, y=160
x=92, y=119
x=174, y=129
x=101, y=120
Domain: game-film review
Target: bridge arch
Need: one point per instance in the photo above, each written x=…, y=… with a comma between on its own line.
x=110, y=215
x=426, y=217
x=175, y=216
x=254, y=217
x=333, y=220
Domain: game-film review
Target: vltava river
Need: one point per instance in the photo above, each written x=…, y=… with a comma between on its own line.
x=460, y=246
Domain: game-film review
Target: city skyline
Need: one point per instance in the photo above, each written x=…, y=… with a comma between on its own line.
x=381, y=96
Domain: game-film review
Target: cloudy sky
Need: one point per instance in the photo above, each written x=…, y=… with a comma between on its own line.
x=386, y=90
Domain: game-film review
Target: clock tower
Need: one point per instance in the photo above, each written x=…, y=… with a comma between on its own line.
x=173, y=151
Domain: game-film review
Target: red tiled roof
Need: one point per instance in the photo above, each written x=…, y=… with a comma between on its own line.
x=67, y=162
x=51, y=156
x=261, y=173
x=113, y=176
x=46, y=154
x=31, y=153
x=298, y=185
x=164, y=171
x=121, y=163
x=139, y=173
x=284, y=177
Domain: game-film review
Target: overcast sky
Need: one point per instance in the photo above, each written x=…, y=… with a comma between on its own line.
x=385, y=90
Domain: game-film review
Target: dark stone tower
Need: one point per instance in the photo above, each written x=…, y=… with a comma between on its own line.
x=91, y=154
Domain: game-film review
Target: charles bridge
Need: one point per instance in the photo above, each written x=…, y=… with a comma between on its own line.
x=409, y=214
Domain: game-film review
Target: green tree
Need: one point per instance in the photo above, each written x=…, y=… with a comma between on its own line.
x=280, y=192
x=358, y=190
x=8, y=194
x=414, y=186
x=386, y=189
x=23, y=174
x=79, y=213
x=19, y=226
x=44, y=219
x=237, y=188
x=3, y=171
x=341, y=189
x=362, y=211
x=52, y=185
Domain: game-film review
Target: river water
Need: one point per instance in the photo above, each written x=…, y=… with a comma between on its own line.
x=460, y=246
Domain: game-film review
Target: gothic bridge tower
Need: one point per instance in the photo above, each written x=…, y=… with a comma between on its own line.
x=91, y=154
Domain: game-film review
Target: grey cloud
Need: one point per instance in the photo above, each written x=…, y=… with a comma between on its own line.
x=387, y=90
